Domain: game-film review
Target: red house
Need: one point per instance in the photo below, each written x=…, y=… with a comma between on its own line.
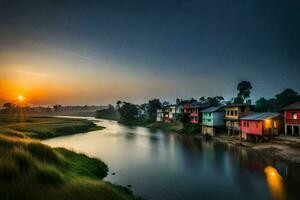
x=193, y=109
x=292, y=119
x=260, y=124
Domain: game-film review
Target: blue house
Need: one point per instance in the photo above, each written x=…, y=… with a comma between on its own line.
x=212, y=120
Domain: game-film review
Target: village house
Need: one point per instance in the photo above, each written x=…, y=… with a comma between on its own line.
x=159, y=115
x=233, y=113
x=260, y=125
x=292, y=119
x=193, y=109
x=169, y=113
x=212, y=120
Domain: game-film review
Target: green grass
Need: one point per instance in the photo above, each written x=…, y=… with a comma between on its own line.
x=173, y=127
x=31, y=170
x=42, y=127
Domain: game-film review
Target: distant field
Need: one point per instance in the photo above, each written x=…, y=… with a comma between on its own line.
x=43, y=127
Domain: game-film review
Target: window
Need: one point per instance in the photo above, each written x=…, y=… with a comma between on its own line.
x=242, y=109
x=231, y=113
x=244, y=124
x=256, y=124
x=227, y=112
x=248, y=124
x=235, y=113
x=294, y=115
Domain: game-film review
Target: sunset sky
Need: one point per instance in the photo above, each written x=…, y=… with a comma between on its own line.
x=97, y=52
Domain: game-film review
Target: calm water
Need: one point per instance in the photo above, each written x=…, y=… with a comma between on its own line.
x=162, y=166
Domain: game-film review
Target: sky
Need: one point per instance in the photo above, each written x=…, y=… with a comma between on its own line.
x=78, y=52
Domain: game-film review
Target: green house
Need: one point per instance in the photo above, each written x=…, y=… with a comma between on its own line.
x=212, y=120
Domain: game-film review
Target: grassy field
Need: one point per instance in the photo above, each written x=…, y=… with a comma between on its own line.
x=44, y=127
x=31, y=170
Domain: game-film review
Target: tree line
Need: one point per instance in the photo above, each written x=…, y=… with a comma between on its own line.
x=129, y=111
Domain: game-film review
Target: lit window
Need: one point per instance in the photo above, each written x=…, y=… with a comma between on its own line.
x=294, y=115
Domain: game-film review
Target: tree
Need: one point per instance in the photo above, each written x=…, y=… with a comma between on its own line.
x=178, y=101
x=215, y=101
x=118, y=104
x=8, y=105
x=244, y=90
x=165, y=103
x=128, y=111
x=265, y=105
x=109, y=113
x=154, y=104
x=287, y=97
x=238, y=100
x=185, y=119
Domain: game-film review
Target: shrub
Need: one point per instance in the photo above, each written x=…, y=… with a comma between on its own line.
x=9, y=170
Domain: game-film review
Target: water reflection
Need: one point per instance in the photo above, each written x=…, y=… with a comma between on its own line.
x=164, y=166
x=275, y=183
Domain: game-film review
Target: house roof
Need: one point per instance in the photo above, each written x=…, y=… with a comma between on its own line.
x=237, y=105
x=214, y=109
x=260, y=116
x=292, y=106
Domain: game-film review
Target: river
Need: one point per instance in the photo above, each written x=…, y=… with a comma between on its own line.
x=162, y=166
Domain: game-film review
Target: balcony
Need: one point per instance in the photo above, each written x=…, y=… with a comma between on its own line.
x=292, y=121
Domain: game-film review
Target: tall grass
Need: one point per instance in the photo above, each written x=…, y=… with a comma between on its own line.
x=31, y=170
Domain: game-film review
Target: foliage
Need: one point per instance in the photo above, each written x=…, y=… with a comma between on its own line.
x=244, y=90
x=190, y=128
x=109, y=113
x=184, y=118
x=153, y=105
x=128, y=111
x=212, y=101
x=285, y=98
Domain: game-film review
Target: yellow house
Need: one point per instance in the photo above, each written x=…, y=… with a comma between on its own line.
x=233, y=113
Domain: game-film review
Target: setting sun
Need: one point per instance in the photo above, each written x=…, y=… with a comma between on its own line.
x=20, y=98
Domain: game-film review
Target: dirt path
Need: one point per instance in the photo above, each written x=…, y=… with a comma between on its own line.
x=281, y=147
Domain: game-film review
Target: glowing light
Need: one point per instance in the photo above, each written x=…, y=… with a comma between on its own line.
x=275, y=183
x=20, y=98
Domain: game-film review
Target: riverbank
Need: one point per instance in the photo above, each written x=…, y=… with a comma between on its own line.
x=279, y=148
x=32, y=170
x=44, y=127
